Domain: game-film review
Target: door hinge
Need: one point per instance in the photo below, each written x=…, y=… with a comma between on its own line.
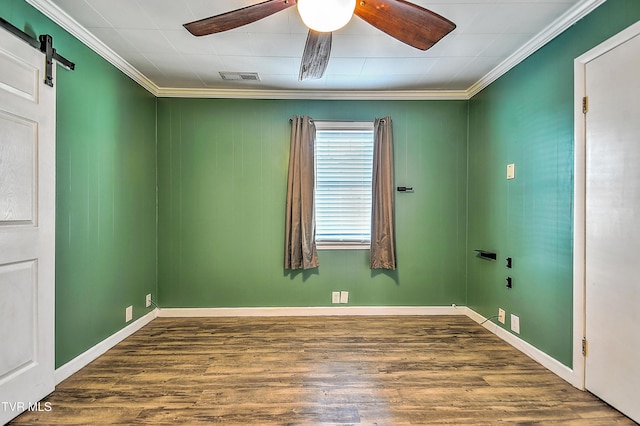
x=584, y=346
x=585, y=105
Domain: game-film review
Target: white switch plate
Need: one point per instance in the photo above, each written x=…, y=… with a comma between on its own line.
x=335, y=297
x=501, y=315
x=344, y=297
x=511, y=171
x=515, y=324
x=128, y=314
x=147, y=300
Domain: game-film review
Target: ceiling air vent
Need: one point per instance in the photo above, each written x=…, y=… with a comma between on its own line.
x=240, y=76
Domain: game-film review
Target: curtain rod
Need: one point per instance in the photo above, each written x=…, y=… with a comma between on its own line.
x=339, y=121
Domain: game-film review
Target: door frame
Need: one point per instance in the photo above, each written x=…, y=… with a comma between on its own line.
x=579, y=196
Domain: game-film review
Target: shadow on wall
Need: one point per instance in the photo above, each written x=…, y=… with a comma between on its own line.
x=393, y=274
x=295, y=273
x=308, y=273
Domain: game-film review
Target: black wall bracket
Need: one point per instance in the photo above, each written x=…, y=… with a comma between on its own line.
x=489, y=255
x=43, y=44
x=405, y=189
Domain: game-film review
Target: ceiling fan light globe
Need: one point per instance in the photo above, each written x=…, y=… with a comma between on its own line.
x=326, y=16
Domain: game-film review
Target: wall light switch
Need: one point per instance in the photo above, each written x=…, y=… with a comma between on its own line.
x=511, y=171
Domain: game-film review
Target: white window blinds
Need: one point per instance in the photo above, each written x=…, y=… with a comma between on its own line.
x=344, y=162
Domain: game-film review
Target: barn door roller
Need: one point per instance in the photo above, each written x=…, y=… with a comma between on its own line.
x=43, y=44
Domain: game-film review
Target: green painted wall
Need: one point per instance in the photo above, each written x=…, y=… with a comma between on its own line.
x=106, y=199
x=222, y=175
x=222, y=187
x=526, y=118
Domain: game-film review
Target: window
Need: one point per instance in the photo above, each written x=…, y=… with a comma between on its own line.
x=344, y=163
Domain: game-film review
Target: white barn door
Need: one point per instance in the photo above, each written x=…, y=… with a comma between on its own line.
x=612, y=238
x=27, y=228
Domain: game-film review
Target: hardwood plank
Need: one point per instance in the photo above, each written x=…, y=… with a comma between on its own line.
x=314, y=371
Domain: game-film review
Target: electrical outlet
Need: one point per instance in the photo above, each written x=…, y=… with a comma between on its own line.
x=344, y=297
x=335, y=297
x=515, y=324
x=501, y=315
x=147, y=300
x=128, y=314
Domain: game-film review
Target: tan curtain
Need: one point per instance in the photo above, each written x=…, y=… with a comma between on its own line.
x=300, y=226
x=383, y=245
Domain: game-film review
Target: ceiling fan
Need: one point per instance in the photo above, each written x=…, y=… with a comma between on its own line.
x=411, y=24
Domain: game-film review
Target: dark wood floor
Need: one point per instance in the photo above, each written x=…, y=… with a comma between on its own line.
x=318, y=370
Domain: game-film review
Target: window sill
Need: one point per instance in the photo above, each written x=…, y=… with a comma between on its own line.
x=338, y=246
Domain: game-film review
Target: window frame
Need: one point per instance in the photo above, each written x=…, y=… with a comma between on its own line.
x=325, y=125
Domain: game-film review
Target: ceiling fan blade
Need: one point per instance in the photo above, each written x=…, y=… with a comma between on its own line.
x=407, y=22
x=316, y=55
x=237, y=18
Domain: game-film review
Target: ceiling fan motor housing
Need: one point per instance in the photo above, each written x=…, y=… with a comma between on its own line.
x=326, y=16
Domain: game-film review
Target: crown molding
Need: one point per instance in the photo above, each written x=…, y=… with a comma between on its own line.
x=60, y=17
x=314, y=94
x=570, y=17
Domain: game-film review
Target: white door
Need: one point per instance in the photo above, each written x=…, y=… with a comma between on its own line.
x=612, y=285
x=27, y=228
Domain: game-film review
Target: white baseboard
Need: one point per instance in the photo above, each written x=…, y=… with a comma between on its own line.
x=311, y=311
x=82, y=360
x=531, y=351
x=534, y=353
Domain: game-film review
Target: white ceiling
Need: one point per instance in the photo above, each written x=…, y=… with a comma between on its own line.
x=146, y=39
